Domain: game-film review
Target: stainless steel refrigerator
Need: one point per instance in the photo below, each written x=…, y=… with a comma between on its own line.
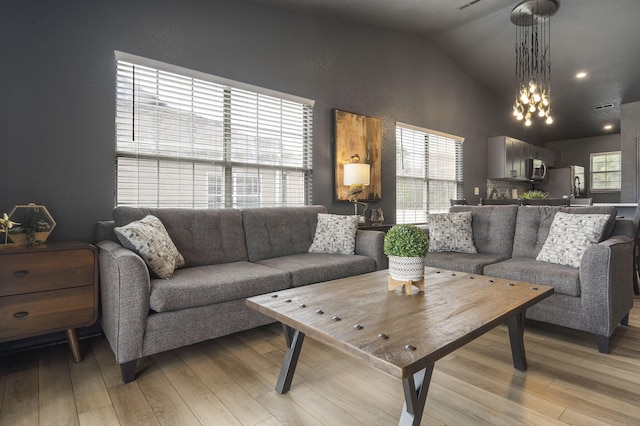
x=565, y=181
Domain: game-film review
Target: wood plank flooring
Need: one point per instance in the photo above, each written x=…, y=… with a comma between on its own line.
x=230, y=381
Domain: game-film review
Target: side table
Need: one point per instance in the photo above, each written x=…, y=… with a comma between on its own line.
x=371, y=227
x=47, y=288
x=384, y=227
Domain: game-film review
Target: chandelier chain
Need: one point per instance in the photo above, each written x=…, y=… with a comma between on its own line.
x=533, y=59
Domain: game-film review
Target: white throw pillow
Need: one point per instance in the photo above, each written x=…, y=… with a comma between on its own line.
x=570, y=236
x=335, y=234
x=149, y=239
x=451, y=232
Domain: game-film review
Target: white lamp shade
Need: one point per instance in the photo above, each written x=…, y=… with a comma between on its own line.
x=356, y=173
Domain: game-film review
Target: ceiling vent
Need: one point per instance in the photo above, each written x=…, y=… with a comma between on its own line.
x=603, y=106
x=468, y=4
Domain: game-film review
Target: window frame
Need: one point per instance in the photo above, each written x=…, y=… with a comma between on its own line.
x=425, y=179
x=225, y=150
x=592, y=173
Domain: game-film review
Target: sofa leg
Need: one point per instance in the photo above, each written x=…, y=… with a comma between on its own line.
x=603, y=344
x=128, y=370
x=625, y=320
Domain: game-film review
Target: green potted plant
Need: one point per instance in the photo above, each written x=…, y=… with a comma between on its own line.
x=406, y=245
x=535, y=195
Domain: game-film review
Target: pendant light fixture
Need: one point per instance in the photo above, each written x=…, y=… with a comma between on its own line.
x=533, y=59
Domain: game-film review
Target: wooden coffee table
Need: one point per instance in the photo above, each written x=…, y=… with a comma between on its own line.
x=402, y=335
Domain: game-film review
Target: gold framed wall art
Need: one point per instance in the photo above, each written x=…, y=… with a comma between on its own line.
x=357, y=139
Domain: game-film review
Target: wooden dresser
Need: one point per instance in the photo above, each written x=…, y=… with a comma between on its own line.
x=47, y=288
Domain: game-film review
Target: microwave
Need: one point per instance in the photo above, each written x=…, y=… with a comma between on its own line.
x=536, y=170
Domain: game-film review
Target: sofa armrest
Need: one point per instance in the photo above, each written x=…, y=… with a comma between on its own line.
x=624, y=227
x=606, y=281
x=371, y=243
x=105, y=231
x=124, y=291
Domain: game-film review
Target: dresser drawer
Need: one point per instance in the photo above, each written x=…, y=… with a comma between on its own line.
x=37, y=313
x=35, y=271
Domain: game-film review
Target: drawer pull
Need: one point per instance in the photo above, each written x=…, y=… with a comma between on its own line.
x=21, y=314
x=20, y=273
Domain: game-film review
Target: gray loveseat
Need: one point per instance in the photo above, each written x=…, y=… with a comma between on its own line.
x=230, y=254
x=595, y=297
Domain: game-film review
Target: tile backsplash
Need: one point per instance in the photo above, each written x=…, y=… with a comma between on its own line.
x=506, y=189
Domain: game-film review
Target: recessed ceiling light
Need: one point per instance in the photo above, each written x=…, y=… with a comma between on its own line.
x=608, y=127
x=581, y=74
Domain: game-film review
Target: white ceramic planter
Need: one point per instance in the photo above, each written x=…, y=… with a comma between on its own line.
x=406, y=268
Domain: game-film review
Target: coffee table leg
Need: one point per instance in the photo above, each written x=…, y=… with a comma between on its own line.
x=415, y=396
x=294, y=340
x=516, y=337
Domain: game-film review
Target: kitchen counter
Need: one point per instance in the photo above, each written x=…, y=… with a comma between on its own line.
x=634, y=205
x=626, y=210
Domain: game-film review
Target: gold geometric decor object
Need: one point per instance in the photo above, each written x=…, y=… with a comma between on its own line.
x=32, y=224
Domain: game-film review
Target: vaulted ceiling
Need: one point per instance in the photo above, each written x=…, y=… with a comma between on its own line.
x=599, y=37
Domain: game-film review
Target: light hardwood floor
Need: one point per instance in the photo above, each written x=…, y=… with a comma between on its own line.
x=231, y=381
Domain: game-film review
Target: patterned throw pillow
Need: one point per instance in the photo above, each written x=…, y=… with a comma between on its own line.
x=335, y=234
x=149, y=239
x=451, y=232
x=569, y=237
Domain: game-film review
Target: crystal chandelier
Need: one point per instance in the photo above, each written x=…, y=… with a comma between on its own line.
x=533, y=59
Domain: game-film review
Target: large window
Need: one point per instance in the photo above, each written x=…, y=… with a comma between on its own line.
x=605, y=171
x=428, y=172
x=186, y=139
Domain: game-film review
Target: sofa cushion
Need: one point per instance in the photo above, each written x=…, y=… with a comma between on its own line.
x=534, y=222
x=202, y=236
x=570, y=235
x=279, y=231
x=311, y=268
x=611, y=211
x=149, y=239
x=451, y=232
x=564, y=279
x=493, y=227
x=463, y=262
x=335, y=234
x=532, y=228
x=209, y=284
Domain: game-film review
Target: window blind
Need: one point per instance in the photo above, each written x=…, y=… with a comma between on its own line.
x=185, y=141
x=428, y=172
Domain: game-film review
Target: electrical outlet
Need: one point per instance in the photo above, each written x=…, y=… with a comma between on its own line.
x=476, y=191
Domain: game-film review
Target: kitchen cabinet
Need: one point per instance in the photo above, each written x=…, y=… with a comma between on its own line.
x=506, y=158
x=551, y=158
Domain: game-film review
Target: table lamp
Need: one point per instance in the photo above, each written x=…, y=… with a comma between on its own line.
x=357, y=176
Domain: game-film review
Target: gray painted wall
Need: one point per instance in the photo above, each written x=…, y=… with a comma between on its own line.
x=58, y=87
x=630, y=132
x=578, y=152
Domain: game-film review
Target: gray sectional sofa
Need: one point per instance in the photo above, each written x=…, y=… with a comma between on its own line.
x=230, y=254
x=596, y=297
